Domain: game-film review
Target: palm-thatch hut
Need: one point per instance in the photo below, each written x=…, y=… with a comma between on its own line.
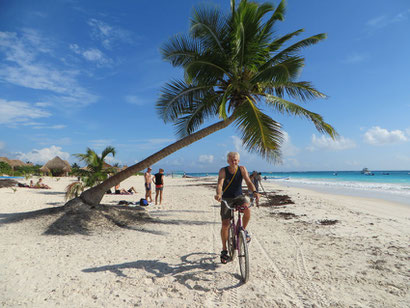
x=5, y=160
x=56, y=166
x=16, y=163
x=13, y=163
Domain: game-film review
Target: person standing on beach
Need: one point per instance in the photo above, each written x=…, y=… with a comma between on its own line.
x=159, y=185
x=148, y=190
x=229, y=188
x=256, y=179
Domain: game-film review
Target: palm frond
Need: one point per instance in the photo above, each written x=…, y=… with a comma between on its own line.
x=205, y=70
x=73, y=190
x=279, y=14
x=260, y=133
x=302, y=90
x=209, y=26
x=106, y=151
x=194, y=118
x=280, y=73
x=180, y=50
x=278, y=43
x=285, y=107
x=293, y=49
x=177, y=97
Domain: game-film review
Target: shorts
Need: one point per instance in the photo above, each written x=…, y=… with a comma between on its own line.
x=239, y=200
x=159, y=187
x=147, y=186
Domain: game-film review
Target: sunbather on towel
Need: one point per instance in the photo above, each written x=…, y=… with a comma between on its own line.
x=40, y=184
x=122, y=191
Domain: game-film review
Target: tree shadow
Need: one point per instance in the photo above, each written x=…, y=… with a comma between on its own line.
x=45, y=192
x=196, y=270
x=83, y=219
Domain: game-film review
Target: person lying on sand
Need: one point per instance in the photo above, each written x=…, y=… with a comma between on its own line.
x=40, y=184
x=122, y=191
x=27, y=186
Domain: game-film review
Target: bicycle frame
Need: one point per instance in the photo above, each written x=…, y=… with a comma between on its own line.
x=238, y=225
x=237, y=240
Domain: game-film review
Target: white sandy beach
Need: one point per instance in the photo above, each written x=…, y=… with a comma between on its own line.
x=173, y=260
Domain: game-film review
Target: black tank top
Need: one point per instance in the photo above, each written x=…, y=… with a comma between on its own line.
x=235, y=189
x=158, y=179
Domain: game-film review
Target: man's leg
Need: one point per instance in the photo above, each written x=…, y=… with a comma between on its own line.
x=246, y=217
x=160, y=197
x=224, y=233
x=156, y=196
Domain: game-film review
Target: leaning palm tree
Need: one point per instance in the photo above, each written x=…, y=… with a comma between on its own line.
x=235, y=67
x=96, y=170
x=93, y=174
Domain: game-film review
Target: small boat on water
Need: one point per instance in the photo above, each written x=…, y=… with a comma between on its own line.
x=366, y=171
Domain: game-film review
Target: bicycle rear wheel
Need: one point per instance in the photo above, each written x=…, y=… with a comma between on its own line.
x=243, y=256
x=232, y=242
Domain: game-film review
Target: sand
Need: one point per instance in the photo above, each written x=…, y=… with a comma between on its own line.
x=322, y=251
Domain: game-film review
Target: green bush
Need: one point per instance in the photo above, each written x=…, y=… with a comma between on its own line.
x=5, y=168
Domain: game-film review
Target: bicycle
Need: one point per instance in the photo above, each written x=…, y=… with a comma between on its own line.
x=237, y=243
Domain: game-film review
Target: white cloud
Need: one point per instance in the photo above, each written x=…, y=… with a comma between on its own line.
x=237, y=143
x=101, y=143
x=2, y=145
x=92, y=54
x=206, y=159
x=43, y=155
x=107, y=34
x=135, y=100
x=327, y=143
x=383, y=21
x=25, y=66
x=355, y=58
x=58, y=126
x=381, y=136
x=112, y=160
x=15, y=112
x=287, y=148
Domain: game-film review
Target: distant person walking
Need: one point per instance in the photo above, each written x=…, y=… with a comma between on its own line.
x=148, y=190
x=159, y=185
x=256, y=179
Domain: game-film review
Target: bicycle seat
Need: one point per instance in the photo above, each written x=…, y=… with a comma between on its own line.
x=241, y=208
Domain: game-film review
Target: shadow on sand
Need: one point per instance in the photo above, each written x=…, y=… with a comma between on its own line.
x=196, y=270
x=84, y=220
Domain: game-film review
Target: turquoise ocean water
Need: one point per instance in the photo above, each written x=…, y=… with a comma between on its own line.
x=386, y=184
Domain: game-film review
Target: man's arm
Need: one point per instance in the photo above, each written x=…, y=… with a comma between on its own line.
x=249, y=183
x=221, y=178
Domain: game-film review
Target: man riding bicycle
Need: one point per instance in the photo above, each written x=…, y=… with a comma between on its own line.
x=229, y=188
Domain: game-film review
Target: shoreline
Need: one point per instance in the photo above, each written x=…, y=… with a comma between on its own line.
x=392, y=197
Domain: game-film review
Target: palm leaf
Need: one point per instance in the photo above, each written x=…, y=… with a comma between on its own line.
x=177, y=97
x=283, y=106
x=260, y=133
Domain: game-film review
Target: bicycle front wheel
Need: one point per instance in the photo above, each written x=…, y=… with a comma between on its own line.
x=232, y=242
x=243, y=256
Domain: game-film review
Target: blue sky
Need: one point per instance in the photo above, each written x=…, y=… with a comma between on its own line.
x=78, y=74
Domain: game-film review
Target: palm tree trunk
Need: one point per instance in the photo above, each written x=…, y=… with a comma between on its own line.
x=94, y=195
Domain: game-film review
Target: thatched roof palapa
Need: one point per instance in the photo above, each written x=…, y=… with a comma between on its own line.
x=16, y=163
x=12, y=162
x=56, y=164
x=5, y=160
